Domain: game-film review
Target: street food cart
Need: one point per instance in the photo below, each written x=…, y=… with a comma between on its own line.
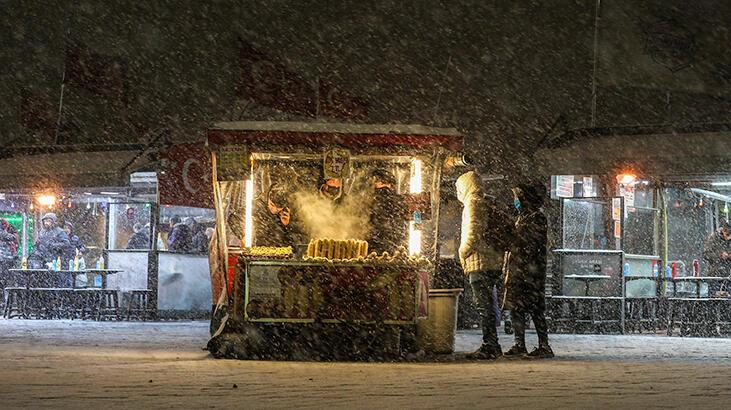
x=300, y=268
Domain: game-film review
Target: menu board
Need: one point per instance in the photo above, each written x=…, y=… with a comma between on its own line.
x=336, y=163
x=233, y=163
x=565, y=186
x=593, y=263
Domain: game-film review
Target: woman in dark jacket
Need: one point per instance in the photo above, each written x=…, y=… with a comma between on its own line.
x=526, y=281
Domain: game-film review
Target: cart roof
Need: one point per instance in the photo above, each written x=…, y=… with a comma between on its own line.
x=363, y=137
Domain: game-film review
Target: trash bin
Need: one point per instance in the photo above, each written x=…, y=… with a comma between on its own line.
x=436, y=333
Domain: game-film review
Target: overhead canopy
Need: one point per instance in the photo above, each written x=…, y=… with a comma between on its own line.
x=358, y=137
x=652, y=151
x=82, y=166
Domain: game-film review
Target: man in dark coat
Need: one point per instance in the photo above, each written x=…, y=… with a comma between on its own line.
x=181, y=237
x=200, y=240
x=75, y=244
x=52, y=242
x=717, y=251
x=526, y=281
x=140, y=239
x=388, y=228
x=8, y=252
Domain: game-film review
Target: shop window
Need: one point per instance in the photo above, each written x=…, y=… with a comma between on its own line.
x=185, y=229
x=588, y=224
x=129, y=226
x=690, y=222
x=641, y=231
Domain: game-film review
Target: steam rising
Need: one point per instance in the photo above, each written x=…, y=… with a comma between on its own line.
x=323, y=218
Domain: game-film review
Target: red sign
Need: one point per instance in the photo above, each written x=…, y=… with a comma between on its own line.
x=186, y=177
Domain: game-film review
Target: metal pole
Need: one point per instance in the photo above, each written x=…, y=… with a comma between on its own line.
x=153, y=258
x=594, y=63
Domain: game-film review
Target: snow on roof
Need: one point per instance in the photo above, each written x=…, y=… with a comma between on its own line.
x=339, y=128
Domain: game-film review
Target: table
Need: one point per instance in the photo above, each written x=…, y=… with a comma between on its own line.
x=88, y=272
x=587, y=279
x=698, y=281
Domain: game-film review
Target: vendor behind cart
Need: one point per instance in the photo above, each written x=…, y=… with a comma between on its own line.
x=275, y=219
x=388, y=229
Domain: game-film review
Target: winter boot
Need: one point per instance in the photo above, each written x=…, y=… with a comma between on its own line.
x=516, y=351
x=485, y=352
x=541, y=352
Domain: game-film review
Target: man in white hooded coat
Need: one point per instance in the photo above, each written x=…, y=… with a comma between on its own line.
x=481, y=261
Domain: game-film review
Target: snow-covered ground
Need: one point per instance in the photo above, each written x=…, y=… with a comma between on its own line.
x=73, y=364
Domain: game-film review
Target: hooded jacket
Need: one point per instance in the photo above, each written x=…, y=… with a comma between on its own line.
x=475, y=252
x=51, y=243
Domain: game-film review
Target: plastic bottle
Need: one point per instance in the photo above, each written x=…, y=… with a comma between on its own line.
x=655, y=269
x=24, y=263
x=58, y=264
x=626, y=269
x=82, y=263
x=76, y=261
x=696, y=268
x=101, y=262
x=71, y=265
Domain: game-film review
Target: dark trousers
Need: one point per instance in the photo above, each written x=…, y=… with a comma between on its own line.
x=483, y=285
x=534, y=304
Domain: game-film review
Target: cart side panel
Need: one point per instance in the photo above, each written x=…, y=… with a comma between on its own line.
x=287, y=292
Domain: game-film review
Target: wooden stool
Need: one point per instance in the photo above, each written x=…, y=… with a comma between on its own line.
x=16, y=299
x=137, y=305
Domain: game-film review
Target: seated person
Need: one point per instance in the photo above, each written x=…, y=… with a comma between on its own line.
x=274, y=221
x=388, y=225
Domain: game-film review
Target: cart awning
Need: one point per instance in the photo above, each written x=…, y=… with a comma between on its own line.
x=360, y=137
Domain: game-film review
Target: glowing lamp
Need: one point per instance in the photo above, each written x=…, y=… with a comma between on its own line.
x=415, y=188
x=626, y=179
x=46, y=200
x=249, y=225
x=415, y=181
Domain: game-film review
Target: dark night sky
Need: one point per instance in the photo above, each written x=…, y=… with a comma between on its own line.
x=500, y=71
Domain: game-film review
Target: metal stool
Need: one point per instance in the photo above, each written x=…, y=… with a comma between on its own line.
x=45, y=303
x=16, y=299
x=137, y=305
x=87, y=303
x=108, y=304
